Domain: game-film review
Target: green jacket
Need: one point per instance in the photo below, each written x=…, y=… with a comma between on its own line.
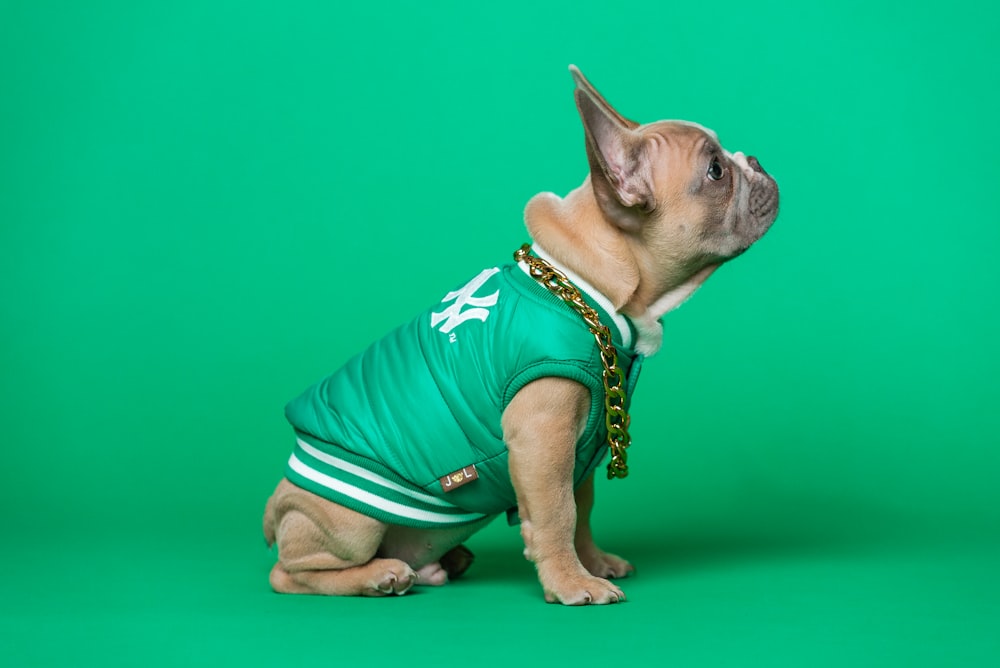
x=425, y=402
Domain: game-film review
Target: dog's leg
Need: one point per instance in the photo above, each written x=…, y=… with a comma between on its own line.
x=594, y=559
x=324, y=548
x=541, y=426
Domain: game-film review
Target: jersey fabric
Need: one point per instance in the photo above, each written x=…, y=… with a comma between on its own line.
x=426, y=401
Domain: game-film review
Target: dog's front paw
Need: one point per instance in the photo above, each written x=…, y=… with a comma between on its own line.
x=582, y=590
x=604, y=565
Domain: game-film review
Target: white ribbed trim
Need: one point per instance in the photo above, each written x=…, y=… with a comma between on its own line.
x=365, y=474
x=375, y=501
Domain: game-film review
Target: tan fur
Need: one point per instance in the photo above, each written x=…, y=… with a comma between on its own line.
x=646, y=228
x=575, y=232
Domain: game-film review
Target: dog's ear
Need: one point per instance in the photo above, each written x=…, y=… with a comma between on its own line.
x=620, y=160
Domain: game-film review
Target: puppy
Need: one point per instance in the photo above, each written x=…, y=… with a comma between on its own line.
x=495, y=399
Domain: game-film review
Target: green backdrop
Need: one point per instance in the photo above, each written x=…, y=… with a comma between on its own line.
x=206, y=206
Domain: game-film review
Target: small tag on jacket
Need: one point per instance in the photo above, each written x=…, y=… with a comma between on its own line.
x=463, y=476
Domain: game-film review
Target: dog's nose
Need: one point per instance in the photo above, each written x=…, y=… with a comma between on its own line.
x=755, y=165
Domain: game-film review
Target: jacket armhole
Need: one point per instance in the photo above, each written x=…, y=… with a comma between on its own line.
x=562, y=369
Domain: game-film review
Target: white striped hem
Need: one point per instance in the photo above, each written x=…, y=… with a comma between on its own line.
x=375, y=501
x=365, y=474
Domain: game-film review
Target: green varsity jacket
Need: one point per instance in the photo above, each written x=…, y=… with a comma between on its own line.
x=393, y=431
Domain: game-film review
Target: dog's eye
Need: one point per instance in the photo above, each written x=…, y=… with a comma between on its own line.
x=715, y=170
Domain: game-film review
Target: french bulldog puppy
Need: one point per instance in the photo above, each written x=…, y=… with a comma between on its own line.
x=411, y=448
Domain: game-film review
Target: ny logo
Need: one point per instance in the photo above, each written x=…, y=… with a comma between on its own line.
x=454, y=315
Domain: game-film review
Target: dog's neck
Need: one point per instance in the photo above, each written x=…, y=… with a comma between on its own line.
x=578, y=241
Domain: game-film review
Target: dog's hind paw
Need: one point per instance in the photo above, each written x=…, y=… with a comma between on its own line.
x=451, y=566
x=433, y=575
x=397, y=578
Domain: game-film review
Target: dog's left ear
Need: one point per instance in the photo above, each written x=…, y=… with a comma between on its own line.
x=620, y=161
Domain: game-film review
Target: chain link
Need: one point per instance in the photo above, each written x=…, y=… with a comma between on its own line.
x=616, y=418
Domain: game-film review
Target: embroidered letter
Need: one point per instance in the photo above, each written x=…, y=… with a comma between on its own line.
x=454, y=315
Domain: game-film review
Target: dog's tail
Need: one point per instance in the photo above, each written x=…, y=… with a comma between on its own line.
x=270, y=520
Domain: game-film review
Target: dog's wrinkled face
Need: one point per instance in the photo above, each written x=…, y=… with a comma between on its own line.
x=729, y=196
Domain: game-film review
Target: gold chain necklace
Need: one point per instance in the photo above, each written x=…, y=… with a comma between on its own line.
x=615, y=416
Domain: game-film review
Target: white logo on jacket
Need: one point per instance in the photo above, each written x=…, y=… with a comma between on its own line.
x=454, y=315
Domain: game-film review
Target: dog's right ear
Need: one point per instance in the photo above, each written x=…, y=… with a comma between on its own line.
x=620, y=164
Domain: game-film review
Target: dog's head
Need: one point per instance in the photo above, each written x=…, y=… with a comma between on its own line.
x=663, y=207
x=673, y=183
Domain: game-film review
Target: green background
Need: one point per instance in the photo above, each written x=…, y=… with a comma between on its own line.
x=206, y=206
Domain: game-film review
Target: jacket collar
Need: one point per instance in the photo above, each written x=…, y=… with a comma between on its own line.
x=623, y=331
